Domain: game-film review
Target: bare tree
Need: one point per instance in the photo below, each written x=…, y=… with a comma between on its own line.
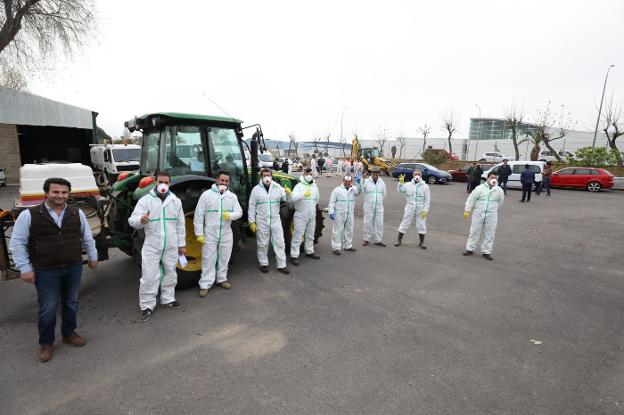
x=613, y=127
x=551, y=127
x=533, y=137
x=327, y=137
x=402, y=143
x=12, y=78
x=381, y=136
x=424, y=130
x=293, y=143
x=513, y=118
x=32, y=30
x=449, y=122
x=316, y=140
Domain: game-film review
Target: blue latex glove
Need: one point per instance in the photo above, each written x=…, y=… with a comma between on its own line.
x=358, y=180
x=332, y=216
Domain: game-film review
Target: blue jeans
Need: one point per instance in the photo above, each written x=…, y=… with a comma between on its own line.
x=56, y=284
x=503, y=185
x=545, y=186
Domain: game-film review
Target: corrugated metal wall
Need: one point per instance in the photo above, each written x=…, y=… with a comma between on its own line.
x=23, y=108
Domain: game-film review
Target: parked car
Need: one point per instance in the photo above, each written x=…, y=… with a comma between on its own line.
x=590, y=178
x=517, y=167
x=430, y=173
x=459, y=175
x=547, y=155
x=3, y=177
x=494, y=156
x=265, y=160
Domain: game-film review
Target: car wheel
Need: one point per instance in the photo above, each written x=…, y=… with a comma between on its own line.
x=594, y=186
x=482, y=160
x=431, y=179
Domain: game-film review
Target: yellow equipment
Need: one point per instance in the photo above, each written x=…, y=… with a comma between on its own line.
x=370, y=157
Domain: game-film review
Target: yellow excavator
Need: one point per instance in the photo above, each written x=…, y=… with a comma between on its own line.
x=370, y=157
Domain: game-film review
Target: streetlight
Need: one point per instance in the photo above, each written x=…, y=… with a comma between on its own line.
x=341, y=140
x=600, y=108
x=479, y=136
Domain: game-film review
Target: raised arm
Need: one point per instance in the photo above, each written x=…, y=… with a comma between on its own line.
x=139, y=210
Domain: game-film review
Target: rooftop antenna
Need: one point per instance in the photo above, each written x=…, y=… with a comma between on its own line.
x=217, y=105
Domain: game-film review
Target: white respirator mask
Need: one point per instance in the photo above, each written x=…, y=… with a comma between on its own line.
x=222, y=188
x=417, y=178
x=308, y=178
x=493, y=182
x=266, y=180
x=162, y=188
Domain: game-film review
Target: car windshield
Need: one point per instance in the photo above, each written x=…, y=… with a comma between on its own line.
x=265, y=157
x=127, y=154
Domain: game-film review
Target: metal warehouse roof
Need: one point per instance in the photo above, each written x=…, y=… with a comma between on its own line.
x=23, y=108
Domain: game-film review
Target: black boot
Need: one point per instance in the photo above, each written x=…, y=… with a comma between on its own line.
x=422, y=240
x=399, y=239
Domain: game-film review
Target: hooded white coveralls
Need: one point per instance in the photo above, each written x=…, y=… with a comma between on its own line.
x=374, y=194
x=305, y=216
x=483, y=202
x=290, y=166
x=209, y=222
x=264, y=211
x=417, y=199
x=164, y=234
x=341, y=203
x=313, y=162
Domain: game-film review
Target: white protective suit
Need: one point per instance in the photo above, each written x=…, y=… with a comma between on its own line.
x=264, y=211
x=209, y=222
x=374, y=194
x=305, y=216
x=164, y=234
x=417, y=199
x=290, y=166
x=341, y=203
x=313, y=166
x=483, y=202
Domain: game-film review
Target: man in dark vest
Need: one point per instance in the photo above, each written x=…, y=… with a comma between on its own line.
x=47, y=243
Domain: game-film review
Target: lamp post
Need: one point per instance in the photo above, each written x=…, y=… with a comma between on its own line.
x=604, y=87
x=341, y=140
x=479, y=136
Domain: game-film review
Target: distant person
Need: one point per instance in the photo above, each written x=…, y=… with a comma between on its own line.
x=475, y=177
x=340, y=167
x=546, y=175
x=483, y=204
x=321, y=164
x=359, y=168
x=504, y=172
x=328, y=166
x=290, y=166
x=159, y=213
x=314, y=167
x=527, y=178
x=285, y=166
x=47, y=243
x=469, y=176
x=276, y=165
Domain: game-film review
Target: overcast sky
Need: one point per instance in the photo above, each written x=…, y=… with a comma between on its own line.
x=294, y=66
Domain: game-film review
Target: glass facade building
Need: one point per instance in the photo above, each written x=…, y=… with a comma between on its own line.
x=496, y=129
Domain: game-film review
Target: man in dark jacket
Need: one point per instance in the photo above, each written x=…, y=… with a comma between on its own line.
x=504, y=172
x=469, y=176
x=475, y=176
x=527, y=178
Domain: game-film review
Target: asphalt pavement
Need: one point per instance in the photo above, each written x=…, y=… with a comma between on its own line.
x=539, y=330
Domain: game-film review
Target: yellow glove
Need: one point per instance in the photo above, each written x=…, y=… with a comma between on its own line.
x=424, y=214
x=226, y=215
x=402, y=179
x=201, y=239
x=253, y=227
x=287, y=190
x=307, y=194
x=466, y=214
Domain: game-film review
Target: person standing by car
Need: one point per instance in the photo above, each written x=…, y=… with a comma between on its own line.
x=483, y=204
x=264, y=220
x=475, y=176
x=546, y=174
x=47, y=243
x=216, y=209
x=159, y=213
x=469, y=176
x=504, y=172
x=527, y=178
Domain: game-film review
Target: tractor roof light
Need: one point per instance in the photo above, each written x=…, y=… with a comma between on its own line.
x=146, y=181
x=123, y=176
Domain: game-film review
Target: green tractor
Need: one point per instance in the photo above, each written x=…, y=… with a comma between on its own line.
x=193, y=148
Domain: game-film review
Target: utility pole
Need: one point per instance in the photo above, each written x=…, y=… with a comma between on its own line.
x=341, y=137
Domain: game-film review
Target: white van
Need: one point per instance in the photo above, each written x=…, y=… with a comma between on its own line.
x=112, y=159
x=517, y=167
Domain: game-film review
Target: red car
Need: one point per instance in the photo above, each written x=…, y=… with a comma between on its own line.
x=590, y=178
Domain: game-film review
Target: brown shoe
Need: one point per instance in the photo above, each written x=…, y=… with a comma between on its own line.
x=365, y=243
x=46, y=351
x=203, y=292
x=264, y=269
x=75, y=340
x=225, y=285
x=284, y=270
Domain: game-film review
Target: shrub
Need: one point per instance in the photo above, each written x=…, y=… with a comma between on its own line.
x=435, y=158
x=593, y=157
